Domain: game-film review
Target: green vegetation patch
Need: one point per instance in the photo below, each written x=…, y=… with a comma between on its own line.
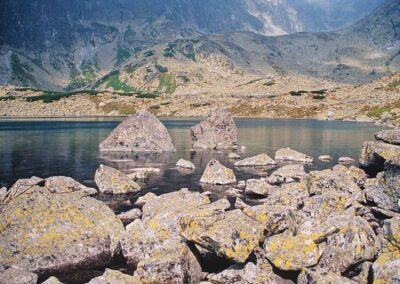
x=149, y=53
x=394, y=85
x=167, y=84
x=49, y=97
x=144, y=95
x=115, y=83
x=82, y=78
x=161, y=68
x=8, y=98
x=319, y=92
x=318, y=97
x=378, y=111
x=122, y=55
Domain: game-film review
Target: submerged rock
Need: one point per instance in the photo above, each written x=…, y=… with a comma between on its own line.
x=234, y=156
x=217, y=131
x=391, y=136
x=259, y=160
x=49, y=233
x=230, y=234
x=287, y=174
x=287, y=154
x=143, y=173
x=61, y=184
x=141, y=132
x=110, y=180
x=217, y=174
x=17, y=276
x=114, y=276
x=185, y=164
x=374, y=155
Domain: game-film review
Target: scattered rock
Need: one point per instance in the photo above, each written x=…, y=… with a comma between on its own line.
x=230, y=234
x=216, y=173
x=61, y=184
x=217, y=131
x=325, y=158
x=287, y=174
x=391, y=136
x=57, y=233
x=143, y=173
x=259, y=160
x=185, y=164
x=346, y=160
x=130, y=215
x=259, y=187
x=287, y=154
x=141, y=132
x=234, y=156
x=142, y=200
x=288, y=252
x=114, y=276
x=17, y=276
x=308, y=276
x=110, y=180
x=374, y=155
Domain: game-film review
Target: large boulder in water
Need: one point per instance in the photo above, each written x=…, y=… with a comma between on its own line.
x=391, y=136
x=218, y=174
x=374, y=154
x=217, y=131
x=142, y=132
x=50, y=233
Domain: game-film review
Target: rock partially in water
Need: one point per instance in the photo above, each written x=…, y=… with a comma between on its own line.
x=113, y=181
x=391, y=136
x=17, y=276
x=142, y=200
x=50, y=233
x=140, y=133
x=61, y=184
x=287, y=174
x=217, y=131
x=130, y=216
x=114, y=277
x=185, y=164
x=234, y=156
x=374, y=155
x=143, y=173
x=287, y=154
x=325, y=158
x=259, y=160
x=308, y=276
x=346, y=160
x=230, y=234
x=218, y=174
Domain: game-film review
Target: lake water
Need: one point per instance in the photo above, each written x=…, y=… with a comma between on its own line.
x=69, y=147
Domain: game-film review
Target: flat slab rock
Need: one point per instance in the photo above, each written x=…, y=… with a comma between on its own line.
x=140, y=133
x=217, y=131
x=259, y=160
x=113, y=181
x=391, y=136
x=287, y=154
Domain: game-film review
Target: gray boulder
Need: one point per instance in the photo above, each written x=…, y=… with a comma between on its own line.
x=142, y=132
x=217, y=131
x=17, y=276
x=218, y=174
x=110, y=180
x=290, y=155
x=184, y=164
x=114, y=277
x=374, y=155
x=391, y=136
x=259, y=160
x=61, y=184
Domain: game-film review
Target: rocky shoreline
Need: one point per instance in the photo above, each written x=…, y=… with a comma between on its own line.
x=339, y=225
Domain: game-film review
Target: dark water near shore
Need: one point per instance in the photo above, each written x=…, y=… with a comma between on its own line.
x=69, y=147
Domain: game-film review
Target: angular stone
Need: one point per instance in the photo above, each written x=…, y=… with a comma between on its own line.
x=287, y=154
x=218, y=174
x=374, y=154
x=391, y=136
x=346, y=160
x=288, y=252
x=130, y=216
x=143, y=173
x=217, y=131
x=114, y=277
x=20, y=186
x=234, y=156
x=185, y=164
x=141, y=132
x=259, y=160
x=142, y=200
x=308, y=276
x=355, y=242
x=17, y=276
x=287, y=174
x=259, y=187
x=61, y=184
x=110, y=180
x=382, y=196
x=48, y=233
x=391, y=229
x=52, y=280
x=231, y=234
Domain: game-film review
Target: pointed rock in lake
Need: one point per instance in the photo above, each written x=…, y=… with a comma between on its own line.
x=142, y=132
x=259, y=160
x=184, y=164
x=110, y=180
x=287, y=154
x=218, y=174
x=217, y=131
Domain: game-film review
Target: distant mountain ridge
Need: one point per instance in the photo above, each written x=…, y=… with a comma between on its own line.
x=73, y=44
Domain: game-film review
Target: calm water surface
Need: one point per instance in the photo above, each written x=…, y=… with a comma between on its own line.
x=70, y=147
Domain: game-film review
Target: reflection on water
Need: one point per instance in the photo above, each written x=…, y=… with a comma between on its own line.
x=70, y=147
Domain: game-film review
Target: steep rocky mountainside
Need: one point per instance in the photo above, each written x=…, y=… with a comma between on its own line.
x=112, y=45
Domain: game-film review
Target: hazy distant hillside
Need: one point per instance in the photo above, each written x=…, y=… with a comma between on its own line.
x=73, y=44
